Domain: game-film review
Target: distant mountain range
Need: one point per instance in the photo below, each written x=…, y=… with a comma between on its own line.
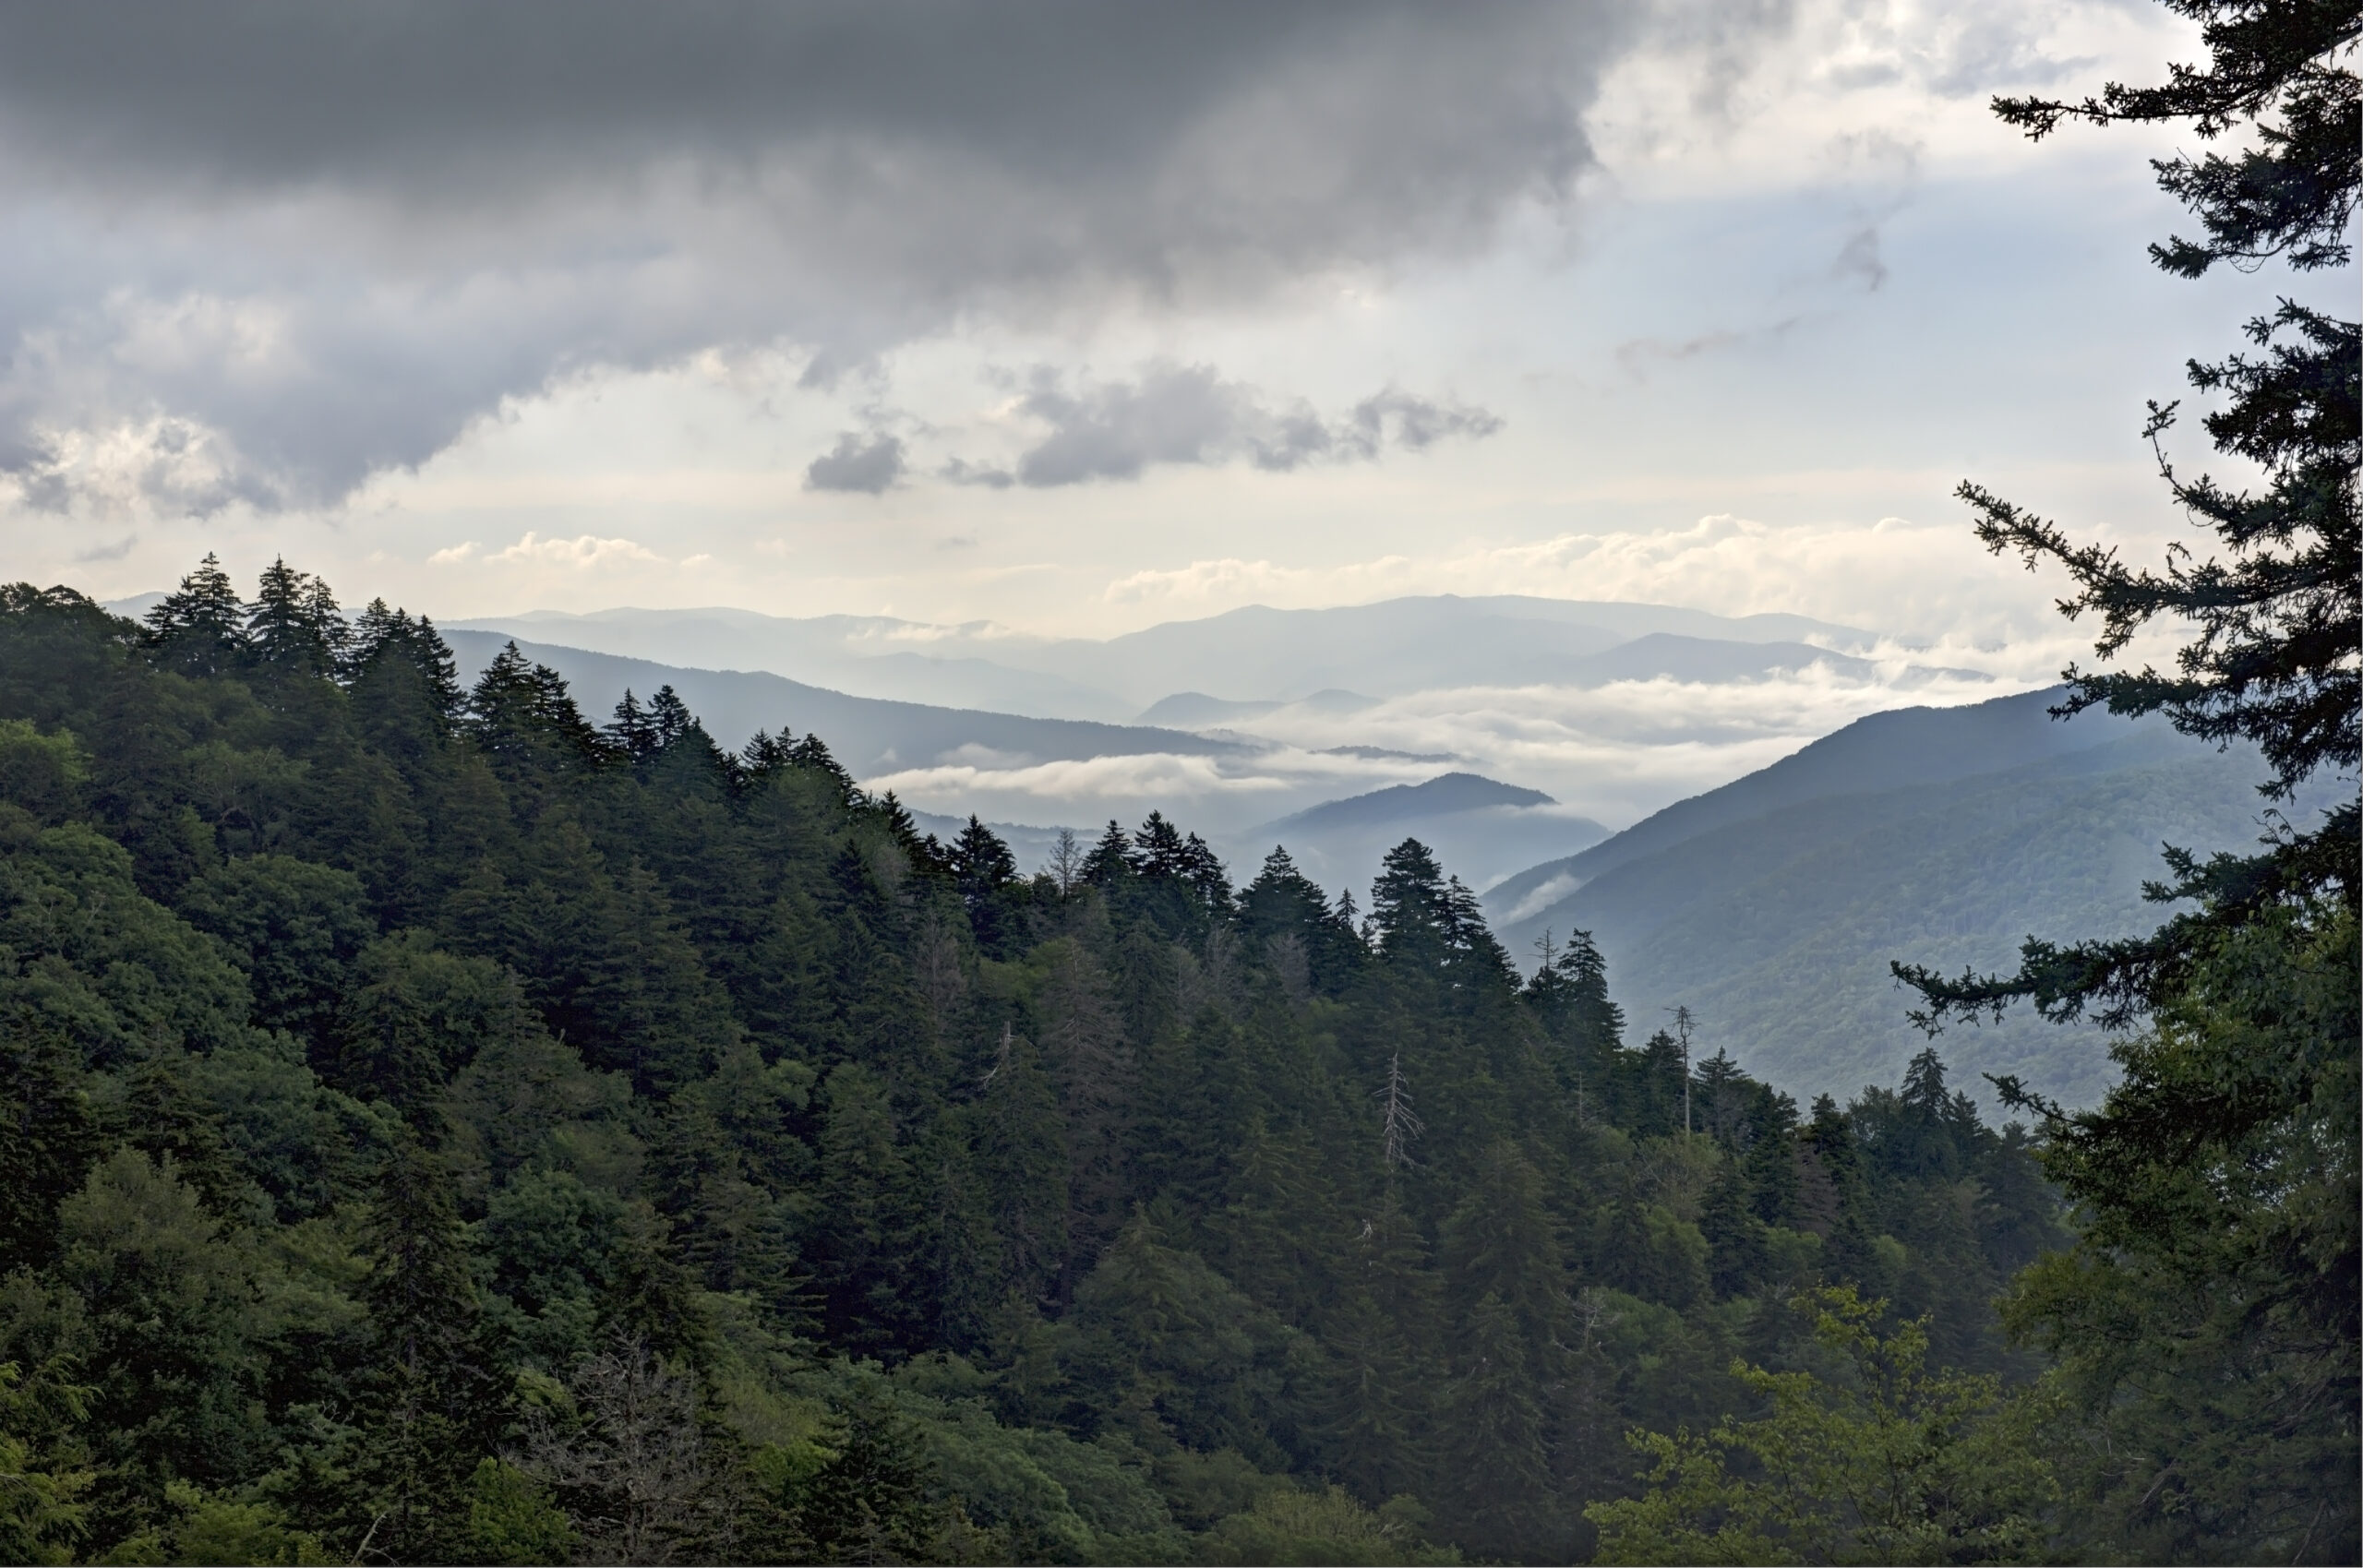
x=1772, y=906
x=1254, y=656
x=873, y=657
x=869, y=735
x=973, y=750
x=1250, y=716
x=1398, y=646
x=1445, y=795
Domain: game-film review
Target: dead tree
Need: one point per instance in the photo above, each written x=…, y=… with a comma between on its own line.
x=1401, y=1124
x=1682, y=1023
x=630, y=1460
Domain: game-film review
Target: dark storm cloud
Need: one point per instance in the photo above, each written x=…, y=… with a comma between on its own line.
x=296, y=244
x=1188, y=413
x=858, y=464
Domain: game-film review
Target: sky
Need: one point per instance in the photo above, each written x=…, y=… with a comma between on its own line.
x=1074, y=318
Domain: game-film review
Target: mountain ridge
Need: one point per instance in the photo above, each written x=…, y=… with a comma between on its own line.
x=1883, y=750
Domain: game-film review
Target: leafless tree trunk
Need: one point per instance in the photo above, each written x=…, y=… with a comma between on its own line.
x=1401, y=1125
x=1682, y=1023
x=1285, y=953
x=1065, y=865
x=631, y=1464
x=937, y=966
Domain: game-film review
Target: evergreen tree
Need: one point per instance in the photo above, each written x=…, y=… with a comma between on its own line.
x=631, y=731
x=2276, y=662
x=1111, y=860
x=1734, y=1236
x=2208, y=1324
x=403, y=682
x=200, y=628
x=1569, y=992
x=866, y=1249
x=521, y=716
x=669, y=717
x=985, y=874
x=1284, y=906
x=673, y=1088
x=293, y=625
x=435, y=1401
x=1499, y=1490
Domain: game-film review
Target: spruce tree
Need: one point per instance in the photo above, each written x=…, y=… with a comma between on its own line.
x=434, y=1399
x=2278, y=658
x=201, y=627
x=295, y=625
x=2207, y=1321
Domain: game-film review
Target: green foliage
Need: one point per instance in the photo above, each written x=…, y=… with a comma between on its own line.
x=1292, y=1526
x=1882, y=1461
x=2205, y=1325
x=41, y=774
x=40, y=1518
x=512, y=1519
x=436, y=1128
x=294, y=928
x=200, y=1527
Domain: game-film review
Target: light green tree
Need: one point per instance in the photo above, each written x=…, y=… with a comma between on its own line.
x=40, y=1483
x=1884, y=1461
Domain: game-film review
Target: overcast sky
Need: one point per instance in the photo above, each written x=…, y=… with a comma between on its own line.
x=1075, y=318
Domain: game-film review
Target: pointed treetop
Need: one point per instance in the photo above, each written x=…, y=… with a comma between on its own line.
x=200, y=628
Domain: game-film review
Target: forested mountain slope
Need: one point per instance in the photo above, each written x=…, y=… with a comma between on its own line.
x=1778, y=931
x=442, y=1127
x=869, y=735
x=1905, y=745
x=1773, y=905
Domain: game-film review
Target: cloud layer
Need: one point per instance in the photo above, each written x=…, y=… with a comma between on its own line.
x=1614, y=753
x=255, y=255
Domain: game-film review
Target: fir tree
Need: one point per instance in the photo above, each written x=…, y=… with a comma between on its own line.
x=1111, y=860
x=631, y=731
x=201, y=627
x=435, y=1401
x=2209, y=1325
x=294, y=624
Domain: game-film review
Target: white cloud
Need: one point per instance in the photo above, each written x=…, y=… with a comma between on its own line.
x=1929, y=588
x=1147, y=776
x=584, y=551
x=1537, y=898
x=1614, y=752
x=1232, y=580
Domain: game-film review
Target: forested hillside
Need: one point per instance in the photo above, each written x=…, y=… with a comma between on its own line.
x=1778, y=928
x=443, y=1125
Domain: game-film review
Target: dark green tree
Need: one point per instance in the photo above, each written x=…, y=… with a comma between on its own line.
x=2279, y=619
x=201, y=627
x=433, y=1398
x=294, y=625
x=2207, y=1321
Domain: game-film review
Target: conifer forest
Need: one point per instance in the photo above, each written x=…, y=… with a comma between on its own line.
x=441, y=1124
